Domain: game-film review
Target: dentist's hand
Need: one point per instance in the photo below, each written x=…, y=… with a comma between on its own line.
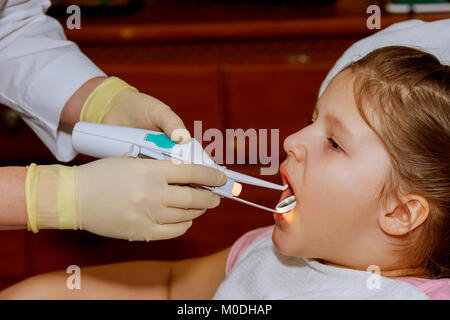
x=133, y=198
x=117, y=103
x=125, y=198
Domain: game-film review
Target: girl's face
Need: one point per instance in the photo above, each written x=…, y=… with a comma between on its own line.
x=335, y=167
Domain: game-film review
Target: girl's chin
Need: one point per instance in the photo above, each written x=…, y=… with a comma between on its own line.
x=277, y=239
x=282, y=242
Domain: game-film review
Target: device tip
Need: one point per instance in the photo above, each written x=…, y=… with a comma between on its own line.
x=237, y=188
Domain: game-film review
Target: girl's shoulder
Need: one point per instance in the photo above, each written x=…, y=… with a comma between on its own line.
x=435, y=289
x=244, y=242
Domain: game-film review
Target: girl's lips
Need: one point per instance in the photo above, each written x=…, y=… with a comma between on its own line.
x=278, y=217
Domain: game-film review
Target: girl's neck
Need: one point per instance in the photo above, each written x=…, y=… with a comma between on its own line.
x=410, y=272
x=398, y=273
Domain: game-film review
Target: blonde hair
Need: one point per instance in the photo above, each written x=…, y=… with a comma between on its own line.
x=409, y=92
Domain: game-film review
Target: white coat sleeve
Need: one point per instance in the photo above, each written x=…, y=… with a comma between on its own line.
x=40, y=70
x=432, y=37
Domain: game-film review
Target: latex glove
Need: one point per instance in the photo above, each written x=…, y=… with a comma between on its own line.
x=123, y=198
x=117, y=103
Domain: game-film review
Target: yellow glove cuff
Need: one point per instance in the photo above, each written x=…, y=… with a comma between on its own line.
x=30, y=197
x=99, y=100
x=50, y=197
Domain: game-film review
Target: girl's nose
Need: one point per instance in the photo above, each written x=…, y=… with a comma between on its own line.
x=293, y=146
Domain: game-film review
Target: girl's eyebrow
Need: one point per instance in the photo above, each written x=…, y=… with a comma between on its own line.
x=336, y=122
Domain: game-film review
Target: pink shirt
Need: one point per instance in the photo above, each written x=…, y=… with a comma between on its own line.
x=435, y=289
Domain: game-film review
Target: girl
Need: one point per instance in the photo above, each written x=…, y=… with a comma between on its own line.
x=371, y=176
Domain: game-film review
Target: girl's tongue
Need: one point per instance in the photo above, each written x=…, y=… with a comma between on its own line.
x=286, y=194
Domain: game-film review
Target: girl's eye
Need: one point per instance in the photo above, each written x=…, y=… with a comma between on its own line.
x=334, y=145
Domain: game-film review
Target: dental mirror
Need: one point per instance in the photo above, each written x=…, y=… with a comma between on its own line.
x=286, y=205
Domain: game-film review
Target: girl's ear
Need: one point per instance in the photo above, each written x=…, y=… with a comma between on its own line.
x=404, y=219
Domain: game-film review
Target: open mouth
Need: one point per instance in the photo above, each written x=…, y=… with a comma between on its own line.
x=287, y=201
x=285, y=178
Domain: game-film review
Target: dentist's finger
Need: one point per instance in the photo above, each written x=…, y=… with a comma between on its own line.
x=176, y=215
x=184, y=173
x=169, y=122
x=186, y=197
x=169, y=231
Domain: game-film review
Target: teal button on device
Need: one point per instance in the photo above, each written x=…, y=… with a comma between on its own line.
x=161, y=140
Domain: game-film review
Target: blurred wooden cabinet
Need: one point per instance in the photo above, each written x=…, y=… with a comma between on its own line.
x=247, y=74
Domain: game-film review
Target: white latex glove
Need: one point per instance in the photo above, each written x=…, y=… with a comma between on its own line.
x=125, y=198
x=117, y=103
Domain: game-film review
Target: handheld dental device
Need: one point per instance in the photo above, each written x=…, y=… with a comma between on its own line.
x=101, y=141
